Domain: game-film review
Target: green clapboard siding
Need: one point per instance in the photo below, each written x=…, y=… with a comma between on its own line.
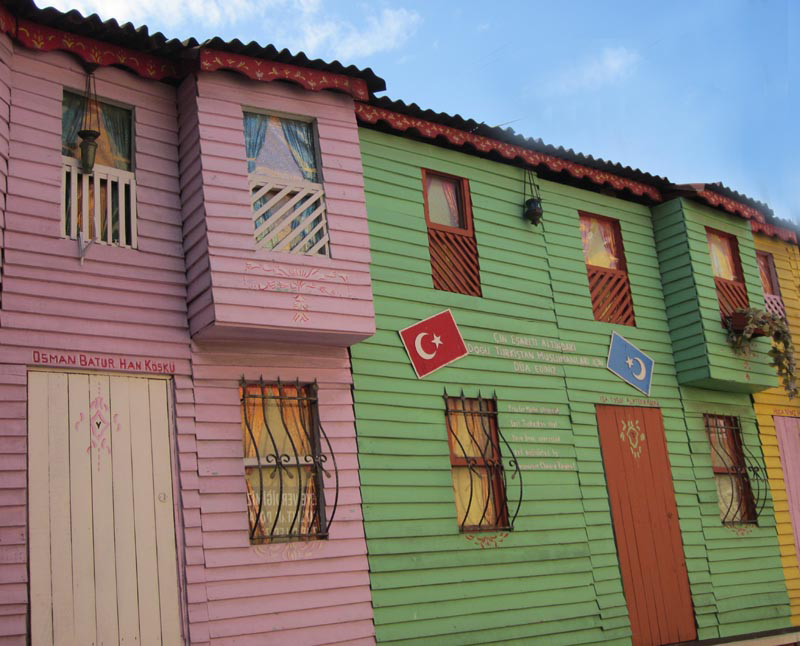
x=703, y=357
x=533, y=341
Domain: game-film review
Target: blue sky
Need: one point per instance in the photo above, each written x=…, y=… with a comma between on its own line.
x=699, y=91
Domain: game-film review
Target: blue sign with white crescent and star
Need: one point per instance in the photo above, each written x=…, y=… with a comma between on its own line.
x=630, y=364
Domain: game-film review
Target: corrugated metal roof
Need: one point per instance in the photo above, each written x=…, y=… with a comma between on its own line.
x=509, y=135
x=140, y=39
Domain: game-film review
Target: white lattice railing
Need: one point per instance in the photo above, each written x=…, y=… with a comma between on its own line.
x=289, y=216
x=774, y=305
x=101, y=205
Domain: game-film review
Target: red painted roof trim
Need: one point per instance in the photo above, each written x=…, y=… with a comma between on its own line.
x=95, y=52
x=261, y=70
x=371, y=114
x=8, y=24
x=772, y=231
x=731, y=206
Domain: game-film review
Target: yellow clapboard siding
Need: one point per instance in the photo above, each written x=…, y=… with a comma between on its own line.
x=775, y=402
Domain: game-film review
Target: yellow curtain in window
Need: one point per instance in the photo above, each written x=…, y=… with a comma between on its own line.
x=287, y=420
x=599, y=243
x=469, y=514
x=721, y=250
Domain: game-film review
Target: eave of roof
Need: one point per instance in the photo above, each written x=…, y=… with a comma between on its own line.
x=156, y=44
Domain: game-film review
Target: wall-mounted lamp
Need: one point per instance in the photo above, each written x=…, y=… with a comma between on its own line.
x=532, y=206
x=90, y=126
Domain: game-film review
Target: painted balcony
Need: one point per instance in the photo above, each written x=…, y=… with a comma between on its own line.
x=275, y=231
x=699, y=301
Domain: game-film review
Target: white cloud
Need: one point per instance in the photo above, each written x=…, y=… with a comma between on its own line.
x=160, y=14
x=342, y=39
x=612, y=65
x=296, y=24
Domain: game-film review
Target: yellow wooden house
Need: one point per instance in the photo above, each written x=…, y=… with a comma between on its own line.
x=778, y=415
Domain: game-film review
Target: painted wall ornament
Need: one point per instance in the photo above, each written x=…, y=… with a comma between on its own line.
x=433, y=343
x=630, y=364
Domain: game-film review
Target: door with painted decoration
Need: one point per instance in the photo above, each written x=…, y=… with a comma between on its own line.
x=103, y=564
x=645, y=518
x=788, y=431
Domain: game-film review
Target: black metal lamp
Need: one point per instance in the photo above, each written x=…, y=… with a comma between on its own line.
x=532, y=206
x=90, y=127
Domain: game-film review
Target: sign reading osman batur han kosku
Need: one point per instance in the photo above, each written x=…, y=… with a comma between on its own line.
x=433, y=343
x=630, y=364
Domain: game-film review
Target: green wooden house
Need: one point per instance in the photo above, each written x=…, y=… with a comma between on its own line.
x=524, y=492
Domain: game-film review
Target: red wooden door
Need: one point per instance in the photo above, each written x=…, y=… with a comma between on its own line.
x=646, y=525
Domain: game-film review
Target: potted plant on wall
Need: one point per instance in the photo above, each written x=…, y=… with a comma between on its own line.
x=748, y=323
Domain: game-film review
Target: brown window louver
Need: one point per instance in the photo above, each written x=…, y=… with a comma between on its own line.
x=451, y=237
x=609, y=286
x=727, y=269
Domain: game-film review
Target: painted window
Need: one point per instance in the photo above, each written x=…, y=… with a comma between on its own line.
x=286, y=191
x=723, y=249
x=609, y=285
x=451, y=237
x=476, y=464
x=734, y=491
x=283, y=462
x=766, y=270
x=99, y=205
x=769, y=282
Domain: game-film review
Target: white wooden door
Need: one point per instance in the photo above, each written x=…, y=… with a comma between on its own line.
x=103, y=564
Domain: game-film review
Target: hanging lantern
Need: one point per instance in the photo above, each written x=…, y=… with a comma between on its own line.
x=532, y=206
x=90, y=126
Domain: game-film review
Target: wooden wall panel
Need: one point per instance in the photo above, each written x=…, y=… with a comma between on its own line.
x=775, y=402
x=533, y=340
x=311, y=298
x=297, y=592
x=119, y=303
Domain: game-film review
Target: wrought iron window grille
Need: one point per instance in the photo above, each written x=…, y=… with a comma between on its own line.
x=741, y=480
x=475, y=439
x=284, y=462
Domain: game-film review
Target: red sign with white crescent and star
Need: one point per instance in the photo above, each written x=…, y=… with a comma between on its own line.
x=433, y=343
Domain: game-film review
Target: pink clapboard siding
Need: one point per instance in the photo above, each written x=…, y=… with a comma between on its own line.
x=309, y=298
x=788, y=432
x=6, y=54
x=120, y=302
x=314, y=592
x=193, y=270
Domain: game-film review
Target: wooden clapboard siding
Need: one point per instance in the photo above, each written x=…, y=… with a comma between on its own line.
x=555, y=578
x=775, y=402
x=703, y=356
x=235, y=280
x=6, y=55
x=430, y=583
x=297, y=592
x=119, y=302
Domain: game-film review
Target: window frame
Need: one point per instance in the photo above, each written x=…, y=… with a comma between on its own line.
x=616, y=229
x=466, y=203
x=737, y=256
x=104, y=173
x=316, y=461
x=773, y=273
x=737, y=472
x=313, y=122
x=496, y=474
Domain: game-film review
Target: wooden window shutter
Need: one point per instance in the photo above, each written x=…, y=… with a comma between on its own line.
x=451, y=237
x=727, y=269
x=606, y=269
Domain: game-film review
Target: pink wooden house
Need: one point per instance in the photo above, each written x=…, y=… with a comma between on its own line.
x=177, y=449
